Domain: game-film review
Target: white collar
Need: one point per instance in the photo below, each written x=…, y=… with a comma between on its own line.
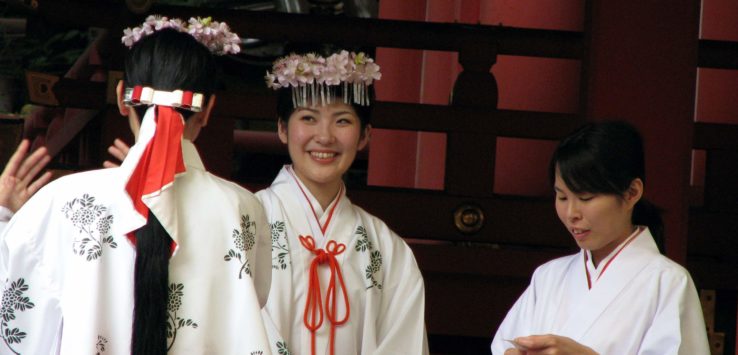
x=595, y=272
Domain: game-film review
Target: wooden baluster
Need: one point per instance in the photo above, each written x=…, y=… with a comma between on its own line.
x=470, y=157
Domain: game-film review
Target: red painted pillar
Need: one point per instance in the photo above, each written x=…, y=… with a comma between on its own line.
x=392, y=153
x=642, y=68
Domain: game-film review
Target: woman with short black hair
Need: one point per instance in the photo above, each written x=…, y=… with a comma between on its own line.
x=619, y=295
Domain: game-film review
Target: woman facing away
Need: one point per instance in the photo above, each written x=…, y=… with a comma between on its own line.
x=135, y=259
x=342, y=281
x=619, y=295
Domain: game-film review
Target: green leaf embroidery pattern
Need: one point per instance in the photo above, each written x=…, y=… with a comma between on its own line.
x=244, y=241
x=282, y=348
x=93, y=224
x=364, y=245
x=279, y=248
x=13, y=300
x=174, y=322
x=100, y=346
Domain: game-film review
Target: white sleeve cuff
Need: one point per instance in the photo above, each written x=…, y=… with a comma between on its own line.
x=5, y=214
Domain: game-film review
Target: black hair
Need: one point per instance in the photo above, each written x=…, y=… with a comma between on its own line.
x=165, y=60
x=171, y=60
x=285, y=107
x=605, y=158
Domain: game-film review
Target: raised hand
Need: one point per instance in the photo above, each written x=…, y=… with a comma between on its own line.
x=17, y=183
x=118, y=150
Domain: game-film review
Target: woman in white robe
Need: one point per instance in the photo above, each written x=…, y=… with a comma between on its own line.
x=619, y=295
x=342, y=281
x=79, y=256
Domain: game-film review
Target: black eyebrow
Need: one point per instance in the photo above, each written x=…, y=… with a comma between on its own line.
x=307, y=109
x=342, y=113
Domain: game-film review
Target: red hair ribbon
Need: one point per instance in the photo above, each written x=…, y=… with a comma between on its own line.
x=145, y=95
x=161, y=160
x=313, y=305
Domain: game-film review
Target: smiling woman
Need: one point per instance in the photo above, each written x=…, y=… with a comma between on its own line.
x=322, y=142
x=342, y=281
x=644, y=303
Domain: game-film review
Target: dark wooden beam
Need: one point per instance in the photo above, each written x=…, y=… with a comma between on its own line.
x=274, y=26
x=715, y=136
x=389, y=115
x=424, y=117
x=430, y=215
x=718, y=54
x=504, y=123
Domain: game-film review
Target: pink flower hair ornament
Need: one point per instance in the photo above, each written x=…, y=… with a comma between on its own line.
x=217, y=36
x=314, y=79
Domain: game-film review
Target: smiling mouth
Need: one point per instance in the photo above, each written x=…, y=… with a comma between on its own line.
x=579, y=233
x=322, y=155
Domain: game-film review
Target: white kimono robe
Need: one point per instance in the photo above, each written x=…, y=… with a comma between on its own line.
x=68, y=265
x=643, y=303
x=5, y=215
x=385, y=288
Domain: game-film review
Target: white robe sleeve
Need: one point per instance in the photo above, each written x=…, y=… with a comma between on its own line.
x=31, y=318
x=5, y=216
x=262, y=255
x=678, y=326
x=517, y=321
x=401, y=324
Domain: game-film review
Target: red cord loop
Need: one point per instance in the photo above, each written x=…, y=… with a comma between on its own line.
x=313, y=316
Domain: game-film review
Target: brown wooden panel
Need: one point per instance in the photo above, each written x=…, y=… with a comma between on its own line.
x=11, y=132
x=713, y=249
x=713, y=273
x=470, y=164
x=75, y=93
x=429, y=215
x=713, y=234
x=721, y=175
x=469, y=289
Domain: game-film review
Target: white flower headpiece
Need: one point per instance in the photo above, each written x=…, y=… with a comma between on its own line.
x=315, y=79
x=217, y=36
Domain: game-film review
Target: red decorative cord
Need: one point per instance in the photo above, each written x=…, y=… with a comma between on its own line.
x=313, y=316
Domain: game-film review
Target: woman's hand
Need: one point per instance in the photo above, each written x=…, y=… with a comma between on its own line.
x=548, y=344
x=16, y=181
x=118, y=150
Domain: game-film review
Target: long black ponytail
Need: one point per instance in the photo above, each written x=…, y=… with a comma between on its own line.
x=151, y=288
x=166, y=60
